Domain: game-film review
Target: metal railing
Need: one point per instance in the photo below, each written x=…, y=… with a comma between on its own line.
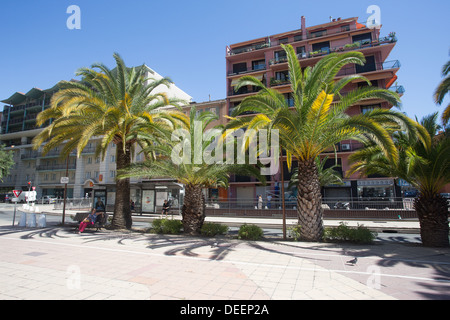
x=74, y=204
x=327, y=203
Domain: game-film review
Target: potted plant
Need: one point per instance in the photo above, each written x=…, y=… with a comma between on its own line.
x=392, y=37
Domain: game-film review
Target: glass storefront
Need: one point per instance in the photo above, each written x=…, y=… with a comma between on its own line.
x=376, y=189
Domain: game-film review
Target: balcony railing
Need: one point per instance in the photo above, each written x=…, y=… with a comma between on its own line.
x=347, y=47
x=314, y=35
x=56, y=167
x=394, y=64
x=259, y=67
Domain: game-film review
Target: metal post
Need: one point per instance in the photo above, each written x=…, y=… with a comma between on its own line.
x=282, y=194
x=14, y=217
x=65, y=191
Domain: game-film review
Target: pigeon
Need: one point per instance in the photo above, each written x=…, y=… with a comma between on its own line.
x=353, y=261
x=214, y=245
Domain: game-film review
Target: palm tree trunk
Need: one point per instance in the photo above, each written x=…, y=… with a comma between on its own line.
x=193, y=211
x=433, y=218
x=122, y=211
x=309, y=202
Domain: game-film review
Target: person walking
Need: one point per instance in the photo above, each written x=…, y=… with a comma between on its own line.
x=260, y=201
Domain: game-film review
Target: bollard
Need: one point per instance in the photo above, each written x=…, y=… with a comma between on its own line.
x=32, y=223
x=42, y=221
x=23, y=220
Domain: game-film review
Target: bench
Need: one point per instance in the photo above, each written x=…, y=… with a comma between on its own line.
x=80, y=216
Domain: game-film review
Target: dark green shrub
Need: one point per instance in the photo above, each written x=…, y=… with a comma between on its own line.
x=210, y=229
x=359, y=234
x=250, y=232
x=166, y=226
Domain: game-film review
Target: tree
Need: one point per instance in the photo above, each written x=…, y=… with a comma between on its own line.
x=120, y=105
x=326, y=176
x=6, y=161
x=311, y=125
x=425, y=164
x=193, y=139
x=442, y=90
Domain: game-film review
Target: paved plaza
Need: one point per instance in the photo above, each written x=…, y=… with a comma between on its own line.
x=56, y=263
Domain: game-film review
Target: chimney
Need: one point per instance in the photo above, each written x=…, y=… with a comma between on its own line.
x=303, y=27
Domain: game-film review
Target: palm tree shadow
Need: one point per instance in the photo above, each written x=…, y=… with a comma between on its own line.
x=30, y=233
x=186, y=246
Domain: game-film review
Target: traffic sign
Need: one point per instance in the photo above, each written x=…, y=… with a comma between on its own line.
x=17, y=193
x=64, y=180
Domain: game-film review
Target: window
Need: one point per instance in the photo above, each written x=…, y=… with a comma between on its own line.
x=280, y=56
x=301, y=51
x=113, y=158
x=363, y=38
x=289, y=99
x=317, y=34
x=88, y=175
x=89, y=160
x=259, y=65
x=283, y=40
x=365, y=109
x=298, y=38
x=321, y=46
x=368, y=66
x=282, y=75
x=239, y=67
x=345, y=28
x=112, y=173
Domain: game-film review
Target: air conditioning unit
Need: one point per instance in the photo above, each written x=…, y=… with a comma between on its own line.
x=345, y=147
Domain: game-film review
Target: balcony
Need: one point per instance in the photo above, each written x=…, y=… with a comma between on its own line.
x=249, y=48
x=347, y=47
x=259, y=67
x=312, y=35
x=394, y=64
x=56, y=167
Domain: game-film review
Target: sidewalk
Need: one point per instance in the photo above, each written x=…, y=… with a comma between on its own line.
x=56, y=263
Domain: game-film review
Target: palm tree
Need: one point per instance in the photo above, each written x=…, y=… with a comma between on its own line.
x=425, y=164
x=312, y=126
x=194, y=173
x=442, y=90
x=119, y=105
x=326, y=176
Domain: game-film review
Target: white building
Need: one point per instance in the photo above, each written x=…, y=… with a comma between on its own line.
x=88, y=175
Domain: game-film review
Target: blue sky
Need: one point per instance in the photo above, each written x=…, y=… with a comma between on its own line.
x=186, y=40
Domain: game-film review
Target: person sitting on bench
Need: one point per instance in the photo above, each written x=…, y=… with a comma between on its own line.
x=90, y=219
x=165, y=208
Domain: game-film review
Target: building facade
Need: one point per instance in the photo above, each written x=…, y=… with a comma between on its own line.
x=89, y=176
x=265, y=59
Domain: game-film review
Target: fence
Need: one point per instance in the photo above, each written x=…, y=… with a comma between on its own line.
x=327, y=203
x=74, y=204
x=333, y=208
